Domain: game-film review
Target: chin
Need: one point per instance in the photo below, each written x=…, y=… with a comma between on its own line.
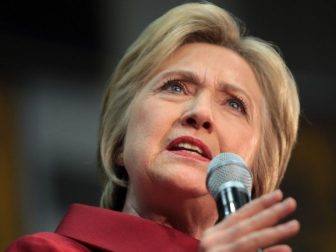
x=184, y=185
x=178, y=176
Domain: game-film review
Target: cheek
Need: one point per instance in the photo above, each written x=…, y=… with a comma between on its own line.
x=137, y=134
x=242, y=140
x=149, y=123
x=252, y=147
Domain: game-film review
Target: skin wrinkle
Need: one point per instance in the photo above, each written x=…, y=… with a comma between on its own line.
x=263, y=203
x=222, y=86
x=254, y=240
x=161, y=38
x=178, y=178
x=205, y=112
x=250, y=209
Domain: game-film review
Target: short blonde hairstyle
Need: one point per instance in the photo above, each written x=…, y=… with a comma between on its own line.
x=207, y=23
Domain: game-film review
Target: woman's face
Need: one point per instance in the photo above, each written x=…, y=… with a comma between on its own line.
x=203, y=100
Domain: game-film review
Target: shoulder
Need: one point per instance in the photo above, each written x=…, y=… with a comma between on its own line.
x=46, y=241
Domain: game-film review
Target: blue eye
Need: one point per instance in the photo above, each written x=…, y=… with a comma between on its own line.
x=174, y=86
x=237, y=104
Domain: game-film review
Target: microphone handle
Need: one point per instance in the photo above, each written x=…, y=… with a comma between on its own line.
x=230, y=199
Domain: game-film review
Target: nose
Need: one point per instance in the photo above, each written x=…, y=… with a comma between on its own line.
x=199, y=113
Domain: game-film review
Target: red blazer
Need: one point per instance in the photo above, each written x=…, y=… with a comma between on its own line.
x=87, y=228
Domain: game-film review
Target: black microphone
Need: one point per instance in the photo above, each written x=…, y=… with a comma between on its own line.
x=229, y=181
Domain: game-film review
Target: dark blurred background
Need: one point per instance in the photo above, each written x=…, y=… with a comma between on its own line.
x=55, y=59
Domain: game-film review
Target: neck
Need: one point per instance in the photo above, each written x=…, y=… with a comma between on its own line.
x=190, y=216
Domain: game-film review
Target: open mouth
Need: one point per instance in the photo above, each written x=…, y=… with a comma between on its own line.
x=191, y=146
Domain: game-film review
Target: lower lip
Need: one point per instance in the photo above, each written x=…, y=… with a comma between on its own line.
x=189, y=155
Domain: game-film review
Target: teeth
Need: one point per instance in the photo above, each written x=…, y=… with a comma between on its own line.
x=189, y=146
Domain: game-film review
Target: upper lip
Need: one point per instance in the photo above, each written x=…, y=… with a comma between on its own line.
x=193, y=145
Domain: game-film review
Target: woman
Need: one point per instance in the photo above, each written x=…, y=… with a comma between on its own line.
x=190, y=87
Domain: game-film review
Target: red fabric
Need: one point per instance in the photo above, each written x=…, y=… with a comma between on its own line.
x=46, y=242
x=102, y=229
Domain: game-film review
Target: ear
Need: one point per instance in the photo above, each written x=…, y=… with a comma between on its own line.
x=120, y=159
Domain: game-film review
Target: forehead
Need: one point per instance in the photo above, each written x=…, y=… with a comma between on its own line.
x=209, y=62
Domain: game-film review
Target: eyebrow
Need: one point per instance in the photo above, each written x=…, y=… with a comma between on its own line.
x=224, y=86
x=188, y=75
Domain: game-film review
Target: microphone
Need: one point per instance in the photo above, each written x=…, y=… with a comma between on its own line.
x=229, y=181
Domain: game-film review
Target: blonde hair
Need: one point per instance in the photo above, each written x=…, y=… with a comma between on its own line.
x=189, y=23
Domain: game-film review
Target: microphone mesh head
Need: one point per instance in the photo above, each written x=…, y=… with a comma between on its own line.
x=228, y=167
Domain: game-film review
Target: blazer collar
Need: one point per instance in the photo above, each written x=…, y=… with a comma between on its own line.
x=115, y=231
